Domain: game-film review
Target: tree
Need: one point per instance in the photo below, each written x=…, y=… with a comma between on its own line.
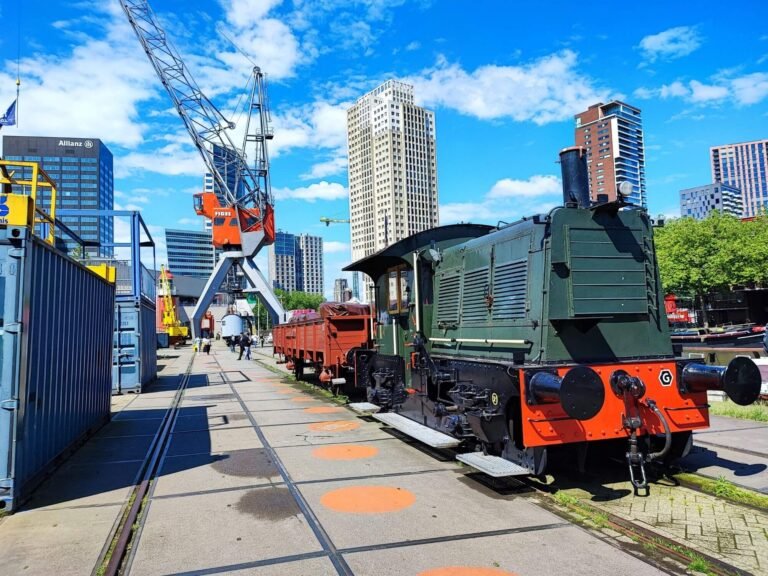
x=290, y=301
x=715, y=254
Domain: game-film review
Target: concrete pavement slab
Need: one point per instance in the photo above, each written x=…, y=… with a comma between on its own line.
x=390, y=456
x=205, y=421
x=734, y=433
x=311, y=567
x=300, y=415
x=286, y=404
x=62, y=542
x=202, y=472
x=130, y=427
x=78, y=484
x=213, y=441
x=192, y=533
x=302, y=435
x=565, y=550
x=118, y=449
x=441, y=505
x=740, y=468
x=211, y=408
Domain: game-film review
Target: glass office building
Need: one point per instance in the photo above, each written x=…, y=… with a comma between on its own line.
x=190, y=253
x=82, y=170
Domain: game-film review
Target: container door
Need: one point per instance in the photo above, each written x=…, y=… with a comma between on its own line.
x=10, y=346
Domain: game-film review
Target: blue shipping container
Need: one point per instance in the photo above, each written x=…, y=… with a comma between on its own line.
x=56, y=324
x=134, y=360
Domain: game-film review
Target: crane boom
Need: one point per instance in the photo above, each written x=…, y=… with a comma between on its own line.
x=329, y=221
x=245, y=223
x=202, y=119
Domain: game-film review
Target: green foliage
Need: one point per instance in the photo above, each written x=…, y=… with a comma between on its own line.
x=291, y=301
x=717, y=253
x=757, y=412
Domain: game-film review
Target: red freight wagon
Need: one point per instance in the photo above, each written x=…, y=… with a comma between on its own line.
x=321, y=340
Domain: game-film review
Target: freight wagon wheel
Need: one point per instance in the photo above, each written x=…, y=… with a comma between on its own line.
x=298, y=369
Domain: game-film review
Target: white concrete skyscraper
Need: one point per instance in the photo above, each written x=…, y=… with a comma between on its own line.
x=392, y=169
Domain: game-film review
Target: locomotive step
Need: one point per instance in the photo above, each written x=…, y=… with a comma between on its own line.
x=492, y=465
x=415, y=430
x=364, y=408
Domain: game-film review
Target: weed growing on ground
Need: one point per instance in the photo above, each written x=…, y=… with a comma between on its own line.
x=726, y=490
x=698, y=564
x=757, y=412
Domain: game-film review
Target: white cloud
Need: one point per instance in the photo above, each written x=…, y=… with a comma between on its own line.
x=188, y=221
x=508, y=199
x=94, y=90
x=750, y=89
x=330, y=167
x=412, y=46
x=706, y=92
x=318, y=191
x=531, y=188
x=670, y=44
x=742, y=90
x=332, y=247
x=170, y=160
x=546, y=90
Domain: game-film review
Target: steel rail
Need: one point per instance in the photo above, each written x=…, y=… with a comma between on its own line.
x=120, y=537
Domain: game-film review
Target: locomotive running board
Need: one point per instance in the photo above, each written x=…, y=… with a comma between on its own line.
x=364, y=408
x=417, y=431
x=492, y=465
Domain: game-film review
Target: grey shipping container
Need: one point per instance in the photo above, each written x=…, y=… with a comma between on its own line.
x=134, y=361
x=56, y=324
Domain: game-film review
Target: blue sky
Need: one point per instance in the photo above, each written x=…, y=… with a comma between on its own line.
x=504, y=79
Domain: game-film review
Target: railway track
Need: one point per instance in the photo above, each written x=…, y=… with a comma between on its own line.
x=130, y=520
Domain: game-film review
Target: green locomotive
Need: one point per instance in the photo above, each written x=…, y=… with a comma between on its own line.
x=546, y=332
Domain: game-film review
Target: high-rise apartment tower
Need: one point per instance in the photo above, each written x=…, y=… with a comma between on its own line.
x=700, y=201
x=296, y=262
x=744, y=166
x=613, y=136
x=340, y=288
x=392, y=169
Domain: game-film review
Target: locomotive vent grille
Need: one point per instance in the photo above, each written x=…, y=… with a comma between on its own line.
x=448, y=298
x=474, y=307
x=510, y=290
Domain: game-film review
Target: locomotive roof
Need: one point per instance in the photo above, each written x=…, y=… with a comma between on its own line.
x=375, y=264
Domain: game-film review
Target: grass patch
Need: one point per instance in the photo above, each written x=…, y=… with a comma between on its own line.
x=726, y=490
x=699, y=565
x=756, y=412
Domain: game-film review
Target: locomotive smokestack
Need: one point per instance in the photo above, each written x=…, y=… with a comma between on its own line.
x=573, y=164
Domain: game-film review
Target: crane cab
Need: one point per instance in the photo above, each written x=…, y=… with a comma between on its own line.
x=228, y=222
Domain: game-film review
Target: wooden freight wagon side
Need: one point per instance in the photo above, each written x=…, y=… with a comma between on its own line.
x=322, y=340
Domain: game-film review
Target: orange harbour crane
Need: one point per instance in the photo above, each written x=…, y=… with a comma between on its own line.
x=241, y=211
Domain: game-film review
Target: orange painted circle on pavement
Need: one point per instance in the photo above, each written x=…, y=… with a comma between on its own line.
x=334, y=426
x=323, y=410
x=345, y=452
x=301, y=399
x=465, y=571
x=368, y=499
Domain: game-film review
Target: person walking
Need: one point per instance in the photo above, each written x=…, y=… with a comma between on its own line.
x=196, y=345
x=247, y=346
x=244, y=342
x=207, y=345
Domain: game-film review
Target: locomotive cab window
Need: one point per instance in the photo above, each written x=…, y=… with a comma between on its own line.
x=398, y=290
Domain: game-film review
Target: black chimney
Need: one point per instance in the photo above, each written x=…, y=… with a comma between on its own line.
x=573, y=164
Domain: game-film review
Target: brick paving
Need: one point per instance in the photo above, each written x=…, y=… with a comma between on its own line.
x=735, y=534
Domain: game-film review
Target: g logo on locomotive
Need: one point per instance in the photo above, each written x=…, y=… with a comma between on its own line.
x=665, y=377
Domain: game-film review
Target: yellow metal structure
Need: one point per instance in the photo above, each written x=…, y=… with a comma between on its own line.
x=109, y=273
x=171, y=323
x=19, y=207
